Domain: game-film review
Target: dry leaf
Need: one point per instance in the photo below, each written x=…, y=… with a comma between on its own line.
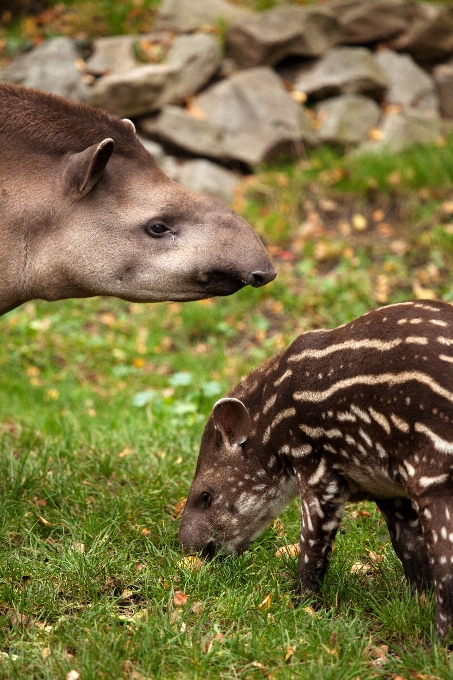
x=359, y=568
x=179, y=599
x=278, y=527
x=44, y=521
x=45, y=652
x=423, y=293
x=330, y=650
x=375, y=556
x=126, y=594
x=290, y=550
x=139, y=566
x=178, y=508
x=359, y=222
x=190, y=562
x=447, y=207
x=73, y=675
x=265, y=604
x=126, y=666
x=145, y=532
x=257, y=664
x=289, y=652
x=197, y=607
x=126, y=452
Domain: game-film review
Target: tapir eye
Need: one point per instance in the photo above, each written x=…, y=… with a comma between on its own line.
x=157, y=229
x=206, y=499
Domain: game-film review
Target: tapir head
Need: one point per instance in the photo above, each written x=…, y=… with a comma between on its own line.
x=233, y=497
x=102, y=219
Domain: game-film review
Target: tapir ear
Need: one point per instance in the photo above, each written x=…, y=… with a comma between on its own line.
x=86, y=168
x=232, y=420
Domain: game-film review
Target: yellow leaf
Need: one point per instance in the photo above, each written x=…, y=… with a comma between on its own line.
x=44, y=521
x=265, y=604
x=289, y=652
x=290, y=550
x=359, y=222
x=190, y=562
x=45, y=652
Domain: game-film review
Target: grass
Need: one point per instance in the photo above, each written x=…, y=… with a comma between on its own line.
x=102, y=404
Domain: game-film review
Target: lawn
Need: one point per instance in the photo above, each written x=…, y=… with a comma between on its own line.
x=102, y=404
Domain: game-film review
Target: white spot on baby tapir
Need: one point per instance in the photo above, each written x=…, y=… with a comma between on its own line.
x=447, y=513
x=361, y=414
x=401, y=321
x=443, y=533
x=438, y=322
x=318, y=474
x=307, y=511
x=427, y=513
x=380, y=419
x=269, y=403
x=415, y=321
x=431, y=481
x=444, y=357
x=399, y=423
x=317, y=507
x=287, y=374
x=301, y=451
x=445, y=341
x=410, y=468
x=256, y=416
x=329, y=448
x=440, y=444
x=318, y=432
x=416, y=340
x=343, y=416
x=365, y=437
x=350, y=439
x=287, y=413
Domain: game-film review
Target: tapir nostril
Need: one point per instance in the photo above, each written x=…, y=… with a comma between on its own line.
x=258, y=279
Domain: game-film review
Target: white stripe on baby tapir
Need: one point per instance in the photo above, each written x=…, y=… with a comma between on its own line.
x=365, y=437
x=444, y=357
x=318, y=474
x=287, y=413
x=430, y=481
x=399, y=423
x=416, y=340
x=348, y=344
x=269, y=403
x=343, y=416
x=286, y=374
x=318, y=432
x=358, y=411
x=381, y=451
x=437, y=322
x=301, y=451
x=440, y=444
x=445, y=341
x=380, y=419
x=389, y=378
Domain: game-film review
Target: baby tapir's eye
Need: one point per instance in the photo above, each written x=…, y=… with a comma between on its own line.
x=206, y=499
x=157, y=229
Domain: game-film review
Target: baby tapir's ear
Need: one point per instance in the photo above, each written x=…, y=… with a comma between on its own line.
x=232, y=420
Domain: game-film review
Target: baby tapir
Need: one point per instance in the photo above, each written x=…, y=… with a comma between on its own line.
x=363, y=411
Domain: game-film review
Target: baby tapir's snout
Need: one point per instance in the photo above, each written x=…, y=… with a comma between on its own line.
x=363, y=411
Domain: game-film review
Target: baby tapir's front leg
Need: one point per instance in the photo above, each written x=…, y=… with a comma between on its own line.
x=322, y=504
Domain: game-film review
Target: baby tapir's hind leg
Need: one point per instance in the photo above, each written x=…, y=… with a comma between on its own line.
x=407, y=540
x=436, y=516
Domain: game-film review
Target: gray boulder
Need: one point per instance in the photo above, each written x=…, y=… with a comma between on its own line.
x=370, y=21
x=443, y=77
x=346, y=119
x=184, y=16
x=268, y=37
x=409, y=85
x=114, y=54
x=258, y=118
x=344, y=70
x=208, y=178
x=192, y=61
x=429, y=37
x=248, y=117
x=177, y=127
x=51, y=67
x=401, y=130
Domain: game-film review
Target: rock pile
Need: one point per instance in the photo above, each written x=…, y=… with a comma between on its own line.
x=355, y=73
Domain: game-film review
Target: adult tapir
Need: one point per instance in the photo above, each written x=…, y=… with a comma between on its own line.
x=86, y=211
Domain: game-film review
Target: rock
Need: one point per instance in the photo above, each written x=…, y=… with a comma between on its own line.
x=409, y=85
x=258, y=118
x=192, y=61
x=182, y=16
x=51, y=67
x=346, y=119
x=115, y=54
x=268, y=37
x=443, y=77
x=344, y=70
x=209, y=178
x=401, y=130
x=369, y=21
x=429, y=37
x=177, y=127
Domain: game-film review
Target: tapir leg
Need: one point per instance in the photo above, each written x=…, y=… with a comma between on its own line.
x=407, y=540
x=319, y=524
x=436, y=517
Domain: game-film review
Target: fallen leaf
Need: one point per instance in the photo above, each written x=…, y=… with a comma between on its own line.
x=359, y=222
x=190, y=562
x=289, y=652
x=145, y=532
x=126, y=452
x=310, y=611
x=423, y=293
x=330, y=650
x=126, y=594
x=44, y=521
x=257, y=664
x=73, y=675
x=179, y=599
x=359, y=568
x=126, y=666
x=265, y=604
x=197, y=607
x=178, y=508
x=290, y=550
x=375, y=556
x=45, y=652
x=278, y=527
x=139, y=566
